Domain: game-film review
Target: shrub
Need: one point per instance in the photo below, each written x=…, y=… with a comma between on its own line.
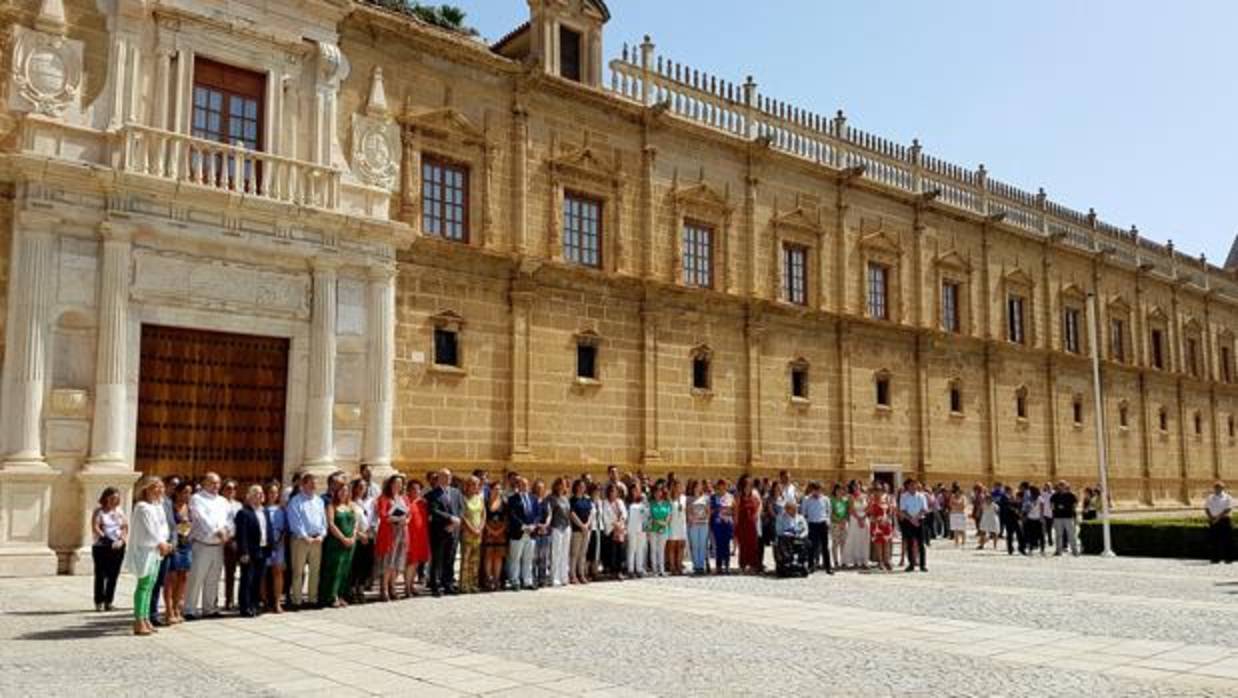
x=1174, y=538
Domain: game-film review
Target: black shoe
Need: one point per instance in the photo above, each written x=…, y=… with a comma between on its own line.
x=909, y=569
x=924, y=569
x=436, y=593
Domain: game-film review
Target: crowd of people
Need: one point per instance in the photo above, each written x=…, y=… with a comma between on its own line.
x=278, y=548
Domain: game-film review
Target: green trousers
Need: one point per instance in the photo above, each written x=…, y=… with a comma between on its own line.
x=141, y=596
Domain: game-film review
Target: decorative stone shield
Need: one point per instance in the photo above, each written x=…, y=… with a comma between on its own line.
x=46, y=76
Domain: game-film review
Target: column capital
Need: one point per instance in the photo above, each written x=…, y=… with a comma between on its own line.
x=111, y=232
x=382, y=272
x=324, y=264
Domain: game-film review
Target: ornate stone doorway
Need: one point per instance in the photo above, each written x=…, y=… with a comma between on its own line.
x=211, y=401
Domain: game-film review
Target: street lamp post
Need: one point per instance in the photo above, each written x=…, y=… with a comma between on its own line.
x=1101, y=449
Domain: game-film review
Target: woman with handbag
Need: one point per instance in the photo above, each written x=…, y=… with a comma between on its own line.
x=111, y=529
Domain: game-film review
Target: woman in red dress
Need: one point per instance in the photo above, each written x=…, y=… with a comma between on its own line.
x=418, y=536
x=391, y=545
x=747, y=512
x=881, y=525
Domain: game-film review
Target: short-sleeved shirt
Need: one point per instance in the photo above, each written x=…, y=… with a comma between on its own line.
x=582, y=507
x=559, y=508
x=1063, y=504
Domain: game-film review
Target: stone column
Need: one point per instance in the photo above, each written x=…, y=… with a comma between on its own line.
x=380, y=371
x=31, y=288
x=107, y=438
x=25, y=478
x=320, y=398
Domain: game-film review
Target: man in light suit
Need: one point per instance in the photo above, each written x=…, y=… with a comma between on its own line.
x=523, y=516
x=445, y=505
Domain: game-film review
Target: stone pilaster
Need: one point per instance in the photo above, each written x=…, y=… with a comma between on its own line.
x=107, y=441
x=754, y=333
x=650, y=451
x=380, y=370
x=522, y=296
x=320, y=404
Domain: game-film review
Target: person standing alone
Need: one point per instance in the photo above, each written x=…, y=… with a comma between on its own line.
x=1064, y=502
x=1220, y=527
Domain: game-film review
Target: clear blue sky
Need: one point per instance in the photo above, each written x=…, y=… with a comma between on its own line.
x=1128, y=106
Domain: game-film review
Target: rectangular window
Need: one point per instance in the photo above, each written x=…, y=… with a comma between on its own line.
x=956, y=400
x=1163, y=419
x=444, y=200
x=1020, y=406
x=569, y=54
x=1077, y=411
x=950, y=307
x=1227, y=366
x=1158, y=349
x=700, y=372
x=586, y=361
x=227, y=104
x=446, y=347
x=799, y=382
x=878, y=286
x=883, y=392
x=582, y=230
x=1123, y=416
x=794, y=274
x=1117, y=340
x=1070, y=331
x=1014, y=319
x=1230, y=427
x=1192, y=357
x=698, y=255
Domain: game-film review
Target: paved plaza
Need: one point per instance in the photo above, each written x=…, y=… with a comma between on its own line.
x=978, y=624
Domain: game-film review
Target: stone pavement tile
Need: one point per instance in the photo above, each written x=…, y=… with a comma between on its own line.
x=976, y=650
x=1225, y=669
x=519, y=692
x=335, y=692
x=506, y=667
x=477, y=683
x=1021, y=657
x=1223, y=686
x=1199, y=654
x=420, y=689
x=574, y=685
x=1139, y=672
x=617, y=692
x=470, y=660
x=432, y=670
x=312, y=683
x=1164, y=665
x=1142, y=648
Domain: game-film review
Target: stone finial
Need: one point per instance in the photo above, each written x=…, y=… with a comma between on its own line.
x=51, y=17
x=376, y=105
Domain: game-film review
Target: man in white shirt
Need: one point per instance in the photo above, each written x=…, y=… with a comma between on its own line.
x=912, y=509
x=1220, y=527
x=210, y=528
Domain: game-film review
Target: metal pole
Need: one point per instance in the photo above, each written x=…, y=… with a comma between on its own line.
x=1101, y=450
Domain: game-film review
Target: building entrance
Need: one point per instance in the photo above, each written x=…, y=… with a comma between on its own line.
x=211, y=402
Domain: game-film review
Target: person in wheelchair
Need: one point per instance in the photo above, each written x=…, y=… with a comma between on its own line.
x=792, y=549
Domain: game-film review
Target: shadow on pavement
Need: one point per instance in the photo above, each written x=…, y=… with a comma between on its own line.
x=100, y=627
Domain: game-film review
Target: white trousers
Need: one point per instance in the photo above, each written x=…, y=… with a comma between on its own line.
x=204, y=573
x=657, y=553
x=560, y=554
x=636, y=552
x=520, y=554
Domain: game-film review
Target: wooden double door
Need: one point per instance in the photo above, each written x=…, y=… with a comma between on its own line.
x=211, y=402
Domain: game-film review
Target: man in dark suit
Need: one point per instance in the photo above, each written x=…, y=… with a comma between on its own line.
x=523, y=515
x=446, y=506
x=253, y=546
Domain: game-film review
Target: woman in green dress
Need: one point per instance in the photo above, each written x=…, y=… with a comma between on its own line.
x=338, y=548
x=840, y=509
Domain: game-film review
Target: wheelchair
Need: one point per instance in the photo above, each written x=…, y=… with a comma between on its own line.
x=792, y=557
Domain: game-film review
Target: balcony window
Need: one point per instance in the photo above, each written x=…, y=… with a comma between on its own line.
x=795, y=274
x=582, y=230
x=698, y=255
x=950, y=307
x=570, y=54
x=227, y=104
x=878, y=291
x=1015, y=328
x=1070, y=331
x=444, y=200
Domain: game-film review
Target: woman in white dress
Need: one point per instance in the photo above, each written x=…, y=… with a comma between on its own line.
x=856, y=548
x=148, y=536
x=990, y=527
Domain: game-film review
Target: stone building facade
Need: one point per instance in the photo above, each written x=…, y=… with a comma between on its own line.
x=258, y=240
